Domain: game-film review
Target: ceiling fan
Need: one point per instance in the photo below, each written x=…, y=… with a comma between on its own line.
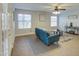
x=58, y=8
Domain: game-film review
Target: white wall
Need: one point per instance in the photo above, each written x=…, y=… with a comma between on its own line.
x=8, y=29
x=62, y=22
x=35, y=21
x=1, y=30
x=11, y=31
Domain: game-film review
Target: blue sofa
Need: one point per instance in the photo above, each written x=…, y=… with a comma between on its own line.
x=45, y=37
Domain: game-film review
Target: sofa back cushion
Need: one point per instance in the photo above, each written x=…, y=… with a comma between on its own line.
x=43, y=34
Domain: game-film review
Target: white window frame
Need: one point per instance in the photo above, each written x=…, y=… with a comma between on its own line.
x=53, y=21
x=23, y=21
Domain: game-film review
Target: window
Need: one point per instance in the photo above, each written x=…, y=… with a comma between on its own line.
x=53, y=20
x=24, y=21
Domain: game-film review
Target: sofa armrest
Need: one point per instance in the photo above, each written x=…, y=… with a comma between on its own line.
x=53, y=38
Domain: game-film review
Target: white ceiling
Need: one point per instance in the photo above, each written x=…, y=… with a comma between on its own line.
x=46, y=6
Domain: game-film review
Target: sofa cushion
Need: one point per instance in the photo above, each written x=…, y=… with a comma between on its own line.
x=45, y=37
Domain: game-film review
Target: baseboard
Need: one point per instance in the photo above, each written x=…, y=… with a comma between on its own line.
x=25, y=34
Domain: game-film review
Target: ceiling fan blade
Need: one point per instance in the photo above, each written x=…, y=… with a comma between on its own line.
x=61, y=9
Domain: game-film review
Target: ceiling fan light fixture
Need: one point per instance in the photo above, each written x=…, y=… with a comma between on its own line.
x=56, y=12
